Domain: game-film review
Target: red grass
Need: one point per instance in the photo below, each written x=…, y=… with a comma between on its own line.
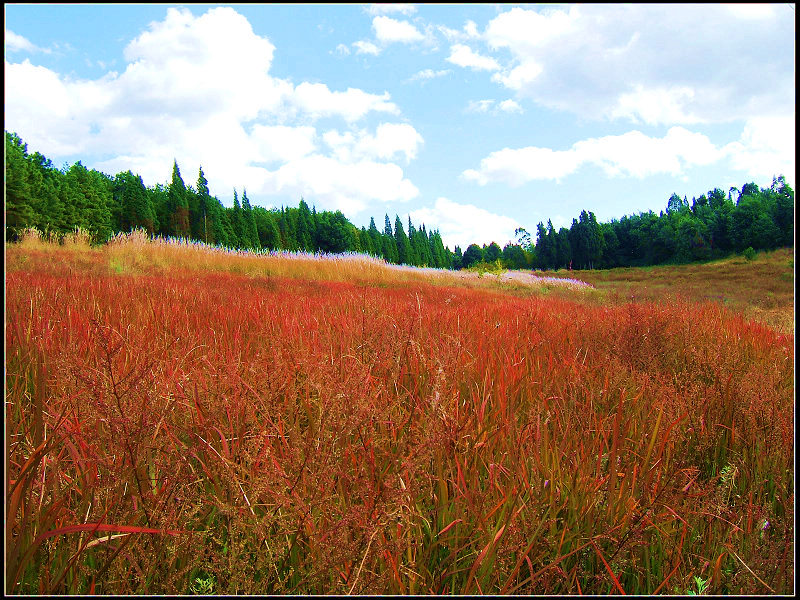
x=327, y=437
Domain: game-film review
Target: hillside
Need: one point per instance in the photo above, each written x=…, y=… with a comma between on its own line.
x=184, y=420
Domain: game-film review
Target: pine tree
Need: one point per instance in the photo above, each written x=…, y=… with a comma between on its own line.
x=136, y=206
x=44, y=182
x=237, y=223
x=177, y=206
x=387, y=228
x=306, y=231
x=249, y=224
x=269, y=236
x=19, y=212
x=205, y=231
x=365, y=242
x=401, y=239
x=375, y=237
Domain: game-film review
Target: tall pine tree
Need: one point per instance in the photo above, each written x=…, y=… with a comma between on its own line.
x=177, y=206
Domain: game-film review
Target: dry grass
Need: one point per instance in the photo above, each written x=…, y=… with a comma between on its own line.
x=180, y=421
x=761, y=290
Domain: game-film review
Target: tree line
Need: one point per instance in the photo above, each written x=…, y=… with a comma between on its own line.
x=57, y=201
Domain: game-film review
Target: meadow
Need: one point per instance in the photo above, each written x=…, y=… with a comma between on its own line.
x=183, y=420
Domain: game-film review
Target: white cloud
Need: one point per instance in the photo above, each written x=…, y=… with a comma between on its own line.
x=469, y=32
x=479, y=106
x=518, y=166
x=282, y=143
x=648, y=63
x=385, y=9
x=364, y=47
x=428, y=74
x=390, y=141
x=465, y=224
x=485, y=106
x=342, y=50
x=388, y=30
x=656, y=106
x=186, y=94
x=510, y=106
x=464, y=56
x=523, y=30
x=632, y=154
x=17, y=43
x=751, y=11
x=520, y=76
x=318, y=100
x=349, y=187
x=766, y=148
x=39, y=107
x=391, y=31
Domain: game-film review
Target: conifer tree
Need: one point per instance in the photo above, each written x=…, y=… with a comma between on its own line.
x=249, y=224
x=19, y=212
x=135, y=204
x=237, y=223
x=306, y=231
x=365, y=241
x=400, y=237
x=45, y=200
x=178, y=206
x=205, y=230
x=375, y=238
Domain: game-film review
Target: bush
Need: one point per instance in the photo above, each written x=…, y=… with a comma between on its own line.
x=749, y=253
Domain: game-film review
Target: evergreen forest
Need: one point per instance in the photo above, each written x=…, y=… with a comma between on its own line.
x=58, y=201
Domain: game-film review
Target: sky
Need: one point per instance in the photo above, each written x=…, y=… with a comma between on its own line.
x=474, y=119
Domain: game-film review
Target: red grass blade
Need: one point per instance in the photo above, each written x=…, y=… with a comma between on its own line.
x=610, y=572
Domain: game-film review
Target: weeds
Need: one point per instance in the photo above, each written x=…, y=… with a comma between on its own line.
x=287, y=426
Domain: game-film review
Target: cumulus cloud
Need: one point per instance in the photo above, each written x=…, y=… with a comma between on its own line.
x=364, y=47
x=185, y=93
x=388, y=30
x=348, y=187
x=656, y=106
x=428, y=74
x=751, y=11
x=632, y=154
x=390, y=141
x=464, y=224
x=766, y=148
x=469, y=32
x=464, y=56
x=17, y=43
x=485, y=106
x=648, y=63
x=278, y=143
x=391, y=31
x=510, y=106
x=386, y=9
x=319, y=101
x=479, y=106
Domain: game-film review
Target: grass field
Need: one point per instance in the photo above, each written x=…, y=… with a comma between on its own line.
x=761, y=289
x=182, y=420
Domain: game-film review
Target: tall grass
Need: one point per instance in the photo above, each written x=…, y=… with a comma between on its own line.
x=762, y=288
x=180, y=421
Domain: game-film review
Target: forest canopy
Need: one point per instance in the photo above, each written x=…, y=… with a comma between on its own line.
x=57, y=201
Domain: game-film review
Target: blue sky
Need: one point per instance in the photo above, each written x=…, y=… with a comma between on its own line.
x=474, y=119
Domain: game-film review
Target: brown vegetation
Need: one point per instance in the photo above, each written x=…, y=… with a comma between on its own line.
x=180, y=420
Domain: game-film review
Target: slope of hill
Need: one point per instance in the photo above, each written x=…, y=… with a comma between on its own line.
x=181, y=420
